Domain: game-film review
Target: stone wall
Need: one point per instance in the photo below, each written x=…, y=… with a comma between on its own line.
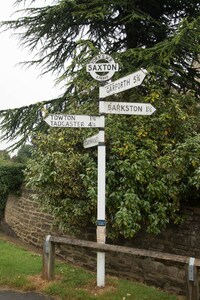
x=183, y=239
x=25, y=219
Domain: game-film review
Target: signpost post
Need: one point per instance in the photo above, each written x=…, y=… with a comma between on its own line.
x=102, y=67
x=101, y=207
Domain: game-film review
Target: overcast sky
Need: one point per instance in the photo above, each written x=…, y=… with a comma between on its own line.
x=19, y=86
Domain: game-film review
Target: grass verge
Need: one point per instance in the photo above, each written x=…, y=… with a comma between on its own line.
x=21, y=269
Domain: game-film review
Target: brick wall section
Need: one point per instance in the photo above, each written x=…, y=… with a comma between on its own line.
x=26, y=220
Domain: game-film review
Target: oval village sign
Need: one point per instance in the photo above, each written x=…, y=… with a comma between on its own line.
x=102, y=67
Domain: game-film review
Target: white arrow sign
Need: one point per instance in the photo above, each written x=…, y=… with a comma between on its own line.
x=91, y=141
x=58, y=120
x=122, y=84
x=126, y=108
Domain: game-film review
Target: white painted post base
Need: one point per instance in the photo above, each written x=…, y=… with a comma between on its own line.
x=100, y=269
x=101, y=238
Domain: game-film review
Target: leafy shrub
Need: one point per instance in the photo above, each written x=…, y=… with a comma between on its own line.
x=152, y=169
x=11, y=178
x=23, y=154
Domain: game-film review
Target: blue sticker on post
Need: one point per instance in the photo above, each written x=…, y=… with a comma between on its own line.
x=101, y=223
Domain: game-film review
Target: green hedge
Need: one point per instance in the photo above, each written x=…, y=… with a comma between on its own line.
x=11, y=178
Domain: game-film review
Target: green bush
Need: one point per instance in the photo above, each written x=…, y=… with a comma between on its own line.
x=152, y=169
x=11, y=178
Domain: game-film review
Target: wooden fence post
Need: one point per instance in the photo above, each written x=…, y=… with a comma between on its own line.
x=48, y=259
x=192, y=281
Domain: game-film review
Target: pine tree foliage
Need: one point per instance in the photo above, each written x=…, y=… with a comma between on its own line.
x=61, y=30
x=161, y=36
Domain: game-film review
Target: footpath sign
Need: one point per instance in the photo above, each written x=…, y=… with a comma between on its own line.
x=126, y=108
x=91, y=141
x=122, y=84
x=84, y=121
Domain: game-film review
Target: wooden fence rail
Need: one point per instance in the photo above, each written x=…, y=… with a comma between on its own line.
x=192, y=265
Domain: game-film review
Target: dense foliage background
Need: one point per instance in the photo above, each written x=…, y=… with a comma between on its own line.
x=11, y=178
x=152, y=169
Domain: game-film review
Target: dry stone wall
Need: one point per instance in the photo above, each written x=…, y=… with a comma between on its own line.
x=183, y=239
x=25, y=219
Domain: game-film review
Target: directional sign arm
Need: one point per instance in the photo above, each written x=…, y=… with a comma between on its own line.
x=91, y=141
x=126, y=108
x=78, y=121
x=123, y=84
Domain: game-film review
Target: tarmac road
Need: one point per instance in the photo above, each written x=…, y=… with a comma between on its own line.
x=12, y=295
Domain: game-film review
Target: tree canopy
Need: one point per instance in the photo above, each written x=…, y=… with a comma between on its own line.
x=160, y=36
x=152, y=163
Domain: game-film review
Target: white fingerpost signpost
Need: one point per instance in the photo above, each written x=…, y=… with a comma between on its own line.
x=102, y=67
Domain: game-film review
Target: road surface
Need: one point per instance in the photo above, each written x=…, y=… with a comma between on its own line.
x=13, y=295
